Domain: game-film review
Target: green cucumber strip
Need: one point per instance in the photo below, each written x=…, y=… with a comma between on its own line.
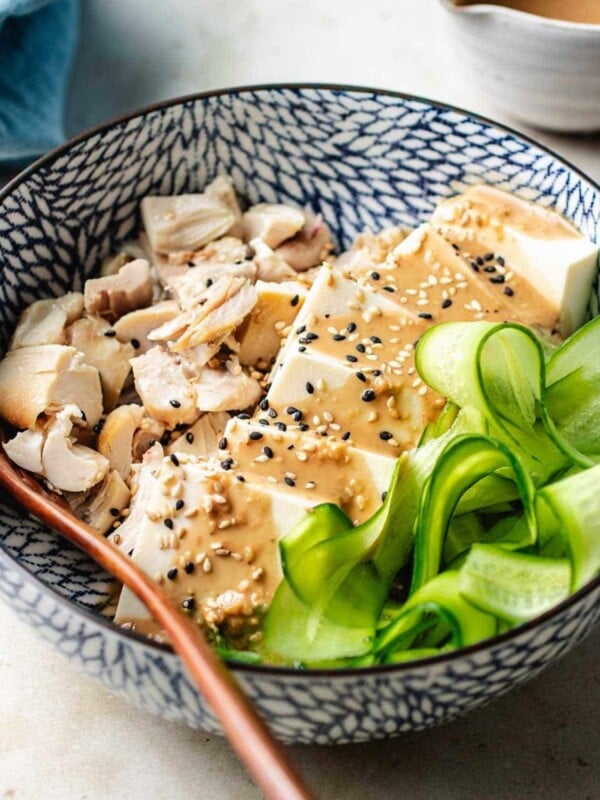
x=440, y=599
x=290, y=632
x=498, y=369
x=239, y=656
x=399, y=657
x=512, y=585
x=572, y=395
x=441, y=425
x=321, y=522
x=461, y=465
x=575, y=502
x=463, y=530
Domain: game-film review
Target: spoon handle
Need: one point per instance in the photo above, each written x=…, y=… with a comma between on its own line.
x=262, y=755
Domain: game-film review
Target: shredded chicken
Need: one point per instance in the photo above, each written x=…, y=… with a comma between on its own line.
x=115, y=295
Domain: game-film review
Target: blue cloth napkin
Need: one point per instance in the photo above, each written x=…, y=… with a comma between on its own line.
x=37, y=41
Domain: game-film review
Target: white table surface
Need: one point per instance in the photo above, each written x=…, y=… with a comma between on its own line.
x=61, y=734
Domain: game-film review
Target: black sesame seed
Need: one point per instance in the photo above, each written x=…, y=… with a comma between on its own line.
x=508, y=291
x=243, y=416
x=304, y=340
x=240, y=478
x=175, y=403
x=375, y=339
x=338, y=337
x=152, y=442
x=190, y=567
x=361, y=376
x=500, y=260
x=488, y=257
x=267, y=451
x=309, y=387
x=345, y=436
x=426, y=315
x=179, y=505
x=272, y=413
x=84, y=416
x=352, y=359
x=289, y=481
x=302, y=349
x=188, y=604
x=290, y=447
x=263, y=421
x=375, y=276
x=256, y=435
x=383, y=496
x=351, y=327
x=264, y=404
x=110, y=334
x=297, y=416
x=368, y=396
x=168, y=523
x=497, y=279
x=479, y=261
x=474, y=266
x=172, y=573
x=376, y=373
x=303, y=426
x=114, y=512
x=223, y=443
x=312, y=336
x=281, y=426
x=98, y=426
x=209, y=283
x=447, y=303
x=295, y=300
x=227, y=464
x=174, y=459
x=291, y=410
x=385, y=435
x=455, y=247
x=491, y=268
x=189, y=437
x=135, y=343
x=389, y=288
x=301, y=329
x=360, y=347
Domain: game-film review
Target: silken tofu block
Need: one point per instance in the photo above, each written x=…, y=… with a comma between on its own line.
x=345, y=475
x=261, y=332
x=534, y=242
x=210, y=540
x=349, y=361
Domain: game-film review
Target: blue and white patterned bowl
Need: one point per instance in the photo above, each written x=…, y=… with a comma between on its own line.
x=362, y=158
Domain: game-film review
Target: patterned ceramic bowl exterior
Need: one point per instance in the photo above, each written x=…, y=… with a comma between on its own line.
x=361, y=158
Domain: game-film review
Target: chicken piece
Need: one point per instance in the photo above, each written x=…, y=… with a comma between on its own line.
x=222, y=189
x=185, y=222
x=270, y=266
x=68, y=466
x=101, y=349
x=146, y=436
x=100, y=507
x=232, y=300
x=188, y=289
x=230, y=389
x=115, y=441
x=25, y=449
x=44, y=321
x=134, y=327
x=273, y=223
x=113, y=263
x=261, y=332
x=202, y=439
x=228, y=250
x=141, y=484
x=163, y=381
x=309, y=246
x=45, y=378
x=115, y=295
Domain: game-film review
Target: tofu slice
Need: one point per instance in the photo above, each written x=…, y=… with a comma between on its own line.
x=339, y=471
x=536, y=243
x=211, y=541
x=260, y=334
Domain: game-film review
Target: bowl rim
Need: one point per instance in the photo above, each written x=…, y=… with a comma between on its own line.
x=528, y=17
x=270, y=669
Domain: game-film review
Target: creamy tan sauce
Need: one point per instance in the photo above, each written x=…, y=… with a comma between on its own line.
x=587, y=11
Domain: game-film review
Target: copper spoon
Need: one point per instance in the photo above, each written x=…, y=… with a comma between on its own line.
x=263, y=757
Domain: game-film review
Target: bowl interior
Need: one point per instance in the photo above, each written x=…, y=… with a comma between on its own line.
x=361, y=158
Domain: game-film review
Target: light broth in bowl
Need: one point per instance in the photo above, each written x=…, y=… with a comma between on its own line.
x=582, y=11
